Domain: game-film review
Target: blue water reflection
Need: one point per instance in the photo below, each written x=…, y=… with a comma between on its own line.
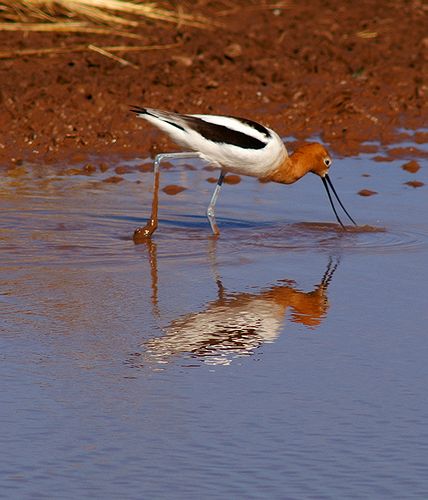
x=258, y=370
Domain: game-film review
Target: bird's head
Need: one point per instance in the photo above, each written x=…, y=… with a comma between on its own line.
x=314, y=157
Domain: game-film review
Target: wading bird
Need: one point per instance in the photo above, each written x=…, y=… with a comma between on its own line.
x=234, y=145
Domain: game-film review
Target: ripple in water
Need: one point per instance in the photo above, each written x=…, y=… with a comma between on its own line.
x=78, y=235
x=308, y=235
x=187, y=243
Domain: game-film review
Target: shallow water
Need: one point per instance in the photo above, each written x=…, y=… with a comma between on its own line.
x=287, y=359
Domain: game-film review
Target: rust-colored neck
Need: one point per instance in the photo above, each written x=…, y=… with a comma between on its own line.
x=295, y=166
x=291, y=169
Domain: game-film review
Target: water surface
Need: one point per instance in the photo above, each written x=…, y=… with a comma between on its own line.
x=287, y=359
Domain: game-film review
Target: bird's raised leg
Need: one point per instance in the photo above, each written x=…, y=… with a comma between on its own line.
x=142, y=234
x=211, y=206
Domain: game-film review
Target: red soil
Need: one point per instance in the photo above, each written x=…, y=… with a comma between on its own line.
x=347, y=71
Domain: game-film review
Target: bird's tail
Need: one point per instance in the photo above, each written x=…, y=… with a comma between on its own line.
x=165, y=116
x=161, y=119
x=139, y=110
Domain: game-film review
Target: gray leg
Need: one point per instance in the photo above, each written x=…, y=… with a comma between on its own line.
x=211, y=206
x=142, y=234
x=172, y=156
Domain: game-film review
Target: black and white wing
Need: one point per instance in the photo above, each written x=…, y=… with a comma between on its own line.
x=240, y=145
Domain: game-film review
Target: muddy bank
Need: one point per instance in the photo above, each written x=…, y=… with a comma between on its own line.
x=349, y=72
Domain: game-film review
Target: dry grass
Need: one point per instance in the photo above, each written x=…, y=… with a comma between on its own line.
x=106, y=51
x=99, y=17
x=65, y=27
x=111, y=13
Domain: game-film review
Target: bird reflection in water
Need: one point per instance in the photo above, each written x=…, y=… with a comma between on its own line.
x=237, y=323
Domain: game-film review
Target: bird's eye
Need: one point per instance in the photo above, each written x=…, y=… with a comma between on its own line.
x=327, y=162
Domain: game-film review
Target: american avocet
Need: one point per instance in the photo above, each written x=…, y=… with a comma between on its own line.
x=234, y=145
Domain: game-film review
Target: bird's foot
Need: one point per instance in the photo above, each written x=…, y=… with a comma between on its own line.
x=214, y=227
x=144, y=234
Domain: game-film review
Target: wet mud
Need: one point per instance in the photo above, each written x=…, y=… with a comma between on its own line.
x=367, y=192
x=414, y=184
x=173, y=189
x=411, y=166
